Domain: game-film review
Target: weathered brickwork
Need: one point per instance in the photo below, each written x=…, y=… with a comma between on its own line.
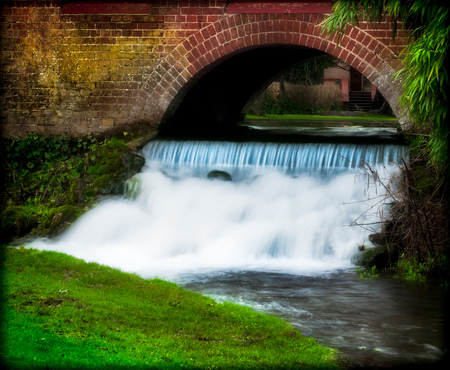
x=65, y=73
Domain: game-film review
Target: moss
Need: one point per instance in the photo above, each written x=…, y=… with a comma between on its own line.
x=90, y=192
x=16, y=221
x=104, y=181
x=58, y=218
x=382, y=256
x=109, y=161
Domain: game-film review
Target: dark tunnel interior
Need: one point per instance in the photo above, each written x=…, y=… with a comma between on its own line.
x=212, y=104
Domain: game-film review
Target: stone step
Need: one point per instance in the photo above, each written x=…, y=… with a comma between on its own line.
x=360, y=100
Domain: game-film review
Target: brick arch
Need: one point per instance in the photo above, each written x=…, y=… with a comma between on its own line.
x=234, y=34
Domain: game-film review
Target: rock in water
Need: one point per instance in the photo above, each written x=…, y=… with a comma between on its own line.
x=219, y=175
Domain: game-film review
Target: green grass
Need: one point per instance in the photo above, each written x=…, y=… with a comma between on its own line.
x=366, y=117
x=63, y=312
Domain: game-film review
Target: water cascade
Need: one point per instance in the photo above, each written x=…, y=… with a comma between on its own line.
x=289, y=208
x=278, y=237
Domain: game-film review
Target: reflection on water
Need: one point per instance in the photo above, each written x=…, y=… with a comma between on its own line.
x=377, y=322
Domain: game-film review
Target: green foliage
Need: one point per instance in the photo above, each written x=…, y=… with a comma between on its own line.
x=368, y=273
x=272, y=105
x=424, y=76
x=58, y=302
x=49, y=181
x=38, y=168
x=309, y=72
x=412, y=270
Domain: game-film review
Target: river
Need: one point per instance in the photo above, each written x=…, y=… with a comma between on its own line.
x=279, y=237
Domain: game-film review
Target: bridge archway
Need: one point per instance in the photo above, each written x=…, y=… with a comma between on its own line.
x=235, y=55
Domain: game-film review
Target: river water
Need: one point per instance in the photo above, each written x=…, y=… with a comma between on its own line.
x=279, y=237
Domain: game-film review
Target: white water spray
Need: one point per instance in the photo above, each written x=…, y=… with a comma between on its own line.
x=283, y=212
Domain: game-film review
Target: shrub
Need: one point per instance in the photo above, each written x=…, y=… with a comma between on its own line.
x=297, y=99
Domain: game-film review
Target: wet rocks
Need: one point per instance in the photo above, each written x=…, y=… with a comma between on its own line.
x=219, y=175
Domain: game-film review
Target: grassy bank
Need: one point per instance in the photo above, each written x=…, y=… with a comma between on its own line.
x=314, y=117
x=61, y=312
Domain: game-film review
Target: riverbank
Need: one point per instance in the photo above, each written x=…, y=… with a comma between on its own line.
x=62, y=312
x=328, y=116
x=50, y=181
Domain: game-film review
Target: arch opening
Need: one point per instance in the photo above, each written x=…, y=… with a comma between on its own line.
x=213, y=104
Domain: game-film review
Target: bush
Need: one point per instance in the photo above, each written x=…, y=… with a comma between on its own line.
x=297, y=99
x=418, y=220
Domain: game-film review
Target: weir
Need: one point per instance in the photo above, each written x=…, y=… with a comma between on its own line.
x=244, y=158
x=290, y=207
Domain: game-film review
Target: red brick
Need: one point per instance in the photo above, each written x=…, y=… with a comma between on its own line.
x=227, y=35
x=241, y=43
x=228, y=48
x=208, y=45
x=263, y=27
x=350, y=59
x=201, y=49
x=220, y=38
x=241, y=31
x=198, y=66
x=303, y=27
x=209, y=58
x=323, y=45
x=231, y=22
x=191, y=25
x=343, y=53
x=196, y=11
x=212, y=18
x=316, y=44
x=221, y=50
x=199, y=37
x=215, y=53
x=234, y=33
x=289, y=38
x=211, y=30
x=213, y=11
x=303, y=40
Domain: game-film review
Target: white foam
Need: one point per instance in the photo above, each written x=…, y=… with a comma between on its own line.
x=191, y=225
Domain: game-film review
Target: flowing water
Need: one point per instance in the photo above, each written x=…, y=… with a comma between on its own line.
x=279, y=238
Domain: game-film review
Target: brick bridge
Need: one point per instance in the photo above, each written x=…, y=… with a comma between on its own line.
x=97, y=66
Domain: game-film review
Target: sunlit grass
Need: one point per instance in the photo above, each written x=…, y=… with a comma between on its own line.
x=365, y=117
x=63, y=312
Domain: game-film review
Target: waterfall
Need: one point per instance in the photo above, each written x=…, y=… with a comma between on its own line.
x=288, y=158
x=289, y=208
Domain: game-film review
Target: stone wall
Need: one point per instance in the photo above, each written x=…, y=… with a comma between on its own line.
x=68, y=67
